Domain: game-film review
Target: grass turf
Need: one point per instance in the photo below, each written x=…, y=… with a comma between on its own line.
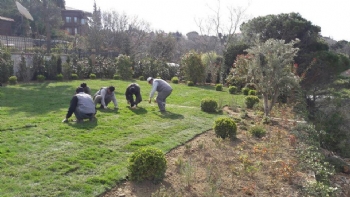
x=40, y=156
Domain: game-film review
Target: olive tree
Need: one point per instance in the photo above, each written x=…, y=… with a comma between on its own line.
x=269, y=66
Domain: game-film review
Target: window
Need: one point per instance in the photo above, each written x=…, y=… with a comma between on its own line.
x=69, y=30
x=68, y=19
x=75, y=31
x=75, y=19
x=83, y=21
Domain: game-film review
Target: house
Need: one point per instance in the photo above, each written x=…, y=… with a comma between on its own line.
x=75, y=21
x=6, y=26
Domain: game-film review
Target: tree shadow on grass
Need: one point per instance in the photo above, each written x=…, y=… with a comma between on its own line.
x=169, y=115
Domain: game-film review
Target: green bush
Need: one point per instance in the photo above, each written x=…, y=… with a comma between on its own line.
x=209, y=105
x=190, y=83
x=257, y=131
x=251, y=100
x=41, y=78
x=232, y=89
x=92, y=76
x=12, y=80
x=59, y=77
x=225, y=127
x=116, y=77
x=175, y=80
x=141, y=78
x=74, y=76
x=147, y=164
x=252, y=92
x=245, y=91
x=218, y=87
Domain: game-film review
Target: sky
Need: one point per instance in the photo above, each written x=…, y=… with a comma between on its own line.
x=181, y=15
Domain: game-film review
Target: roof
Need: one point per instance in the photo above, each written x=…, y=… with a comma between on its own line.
x=6, y=19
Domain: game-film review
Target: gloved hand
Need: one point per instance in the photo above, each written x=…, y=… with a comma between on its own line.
x=65, y=120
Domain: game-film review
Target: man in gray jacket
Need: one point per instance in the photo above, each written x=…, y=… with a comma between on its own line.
x=82, y=106
x=163, y=89
x=104, y=96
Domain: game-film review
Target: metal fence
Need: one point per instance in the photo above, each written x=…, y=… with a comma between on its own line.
x=21, y=43
x=24, y=43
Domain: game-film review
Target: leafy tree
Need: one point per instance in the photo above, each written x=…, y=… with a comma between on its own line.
x=162, y=47
x=269, y=67
x=193, y=67
x=124, y=64
x=230, y=55
x=95, y=34
x=213, y=63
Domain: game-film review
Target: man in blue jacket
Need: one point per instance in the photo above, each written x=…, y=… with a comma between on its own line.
x=82, y=106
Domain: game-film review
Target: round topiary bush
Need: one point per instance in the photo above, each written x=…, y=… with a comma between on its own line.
x=147, y=164
x=252, y=92
x=209, y=105
x=225, y=127
x=251, y=86
x=74, y=76
x=12, y=80
x=92, y=76
x=232, y=89
x=141, y=78
x=116, y=77
x=59, y=77
x=190, y=83
x=245, y=91
x=250, y=101
x=175, y=80
x=41, y=78
x=218, y=87
x=257, y=131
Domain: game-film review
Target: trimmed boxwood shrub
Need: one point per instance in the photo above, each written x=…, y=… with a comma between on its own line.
x=40, y=78
x=251, y=100
x=12, y=80
x=59, y=77
x=141, y=78
x=252, y=92
x=116, y=77
x=147, y=164
x=190, y=83
x=218, y=87
x=225, y=127
x=257, y=131
x=232, y=89
x=175, y=80
x=74, y=76
x=92, y=76
x=209, y=105
x=245, y=91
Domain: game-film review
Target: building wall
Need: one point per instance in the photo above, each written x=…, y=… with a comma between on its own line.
x=5, y=28
x=75, y=22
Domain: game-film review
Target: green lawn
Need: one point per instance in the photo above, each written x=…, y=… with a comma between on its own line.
x=40, y=156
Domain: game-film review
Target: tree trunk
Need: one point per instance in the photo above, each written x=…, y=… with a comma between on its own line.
x=266, y=104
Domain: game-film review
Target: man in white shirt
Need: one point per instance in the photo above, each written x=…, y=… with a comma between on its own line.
x=163, y=89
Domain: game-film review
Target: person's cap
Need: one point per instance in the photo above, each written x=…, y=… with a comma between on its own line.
x=79, y=89
x=149, y=79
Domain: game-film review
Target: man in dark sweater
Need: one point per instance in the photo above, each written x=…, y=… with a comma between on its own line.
x=82, y=106
x=133, y=89
x=86, y=88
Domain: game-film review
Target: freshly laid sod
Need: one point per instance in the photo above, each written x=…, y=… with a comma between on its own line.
x=41, y=156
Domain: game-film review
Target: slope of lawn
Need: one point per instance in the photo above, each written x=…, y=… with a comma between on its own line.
x=40, y=156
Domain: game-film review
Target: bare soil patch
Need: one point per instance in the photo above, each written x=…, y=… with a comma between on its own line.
x=248, y=166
